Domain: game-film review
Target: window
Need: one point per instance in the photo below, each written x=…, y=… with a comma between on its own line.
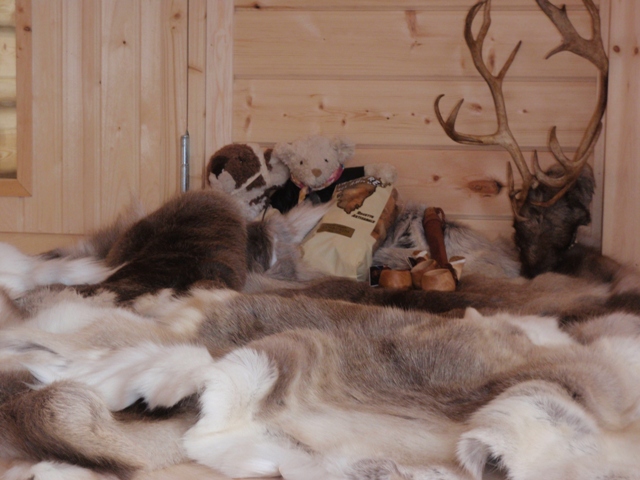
x=15, y=97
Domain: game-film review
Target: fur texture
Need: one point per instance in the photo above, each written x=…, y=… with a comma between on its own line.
x=320, y=389
x=494, y=259
x=176, y=358
x=546, y=234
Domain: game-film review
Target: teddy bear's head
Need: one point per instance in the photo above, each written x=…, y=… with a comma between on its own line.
x=315, y=161
x=248, y=173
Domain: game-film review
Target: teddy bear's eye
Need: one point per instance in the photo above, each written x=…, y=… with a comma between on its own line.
x=326, y=160
x=300, y=162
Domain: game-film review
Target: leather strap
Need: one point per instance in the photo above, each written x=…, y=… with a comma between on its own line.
x=433, y=224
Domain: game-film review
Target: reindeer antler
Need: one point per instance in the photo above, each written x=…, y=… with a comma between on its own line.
x=591, y=49
x=502, y=136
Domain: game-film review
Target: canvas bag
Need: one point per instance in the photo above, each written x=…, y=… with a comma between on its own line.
x=344, y=241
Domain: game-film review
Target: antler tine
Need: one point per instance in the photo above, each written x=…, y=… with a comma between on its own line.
x=515, y=195
x=592, y=50
x=562, y=182
x=502, y=136
x=449, y=126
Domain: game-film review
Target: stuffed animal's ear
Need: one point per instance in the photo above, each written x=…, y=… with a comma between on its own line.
x=344, y=147
x=278, y=170
x=283, y=152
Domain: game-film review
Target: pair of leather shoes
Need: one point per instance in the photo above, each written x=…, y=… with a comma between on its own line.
x=426, y=274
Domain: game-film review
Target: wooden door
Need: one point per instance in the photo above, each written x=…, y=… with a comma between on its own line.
x=109, y=83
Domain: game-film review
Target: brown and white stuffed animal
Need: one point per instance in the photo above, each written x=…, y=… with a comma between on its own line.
x=247, y=173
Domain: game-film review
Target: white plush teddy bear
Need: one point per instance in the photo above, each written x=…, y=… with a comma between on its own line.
x=316, y=165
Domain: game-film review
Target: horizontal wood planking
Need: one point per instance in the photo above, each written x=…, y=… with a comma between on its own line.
x=402, y=113
x=395, y=44
x=7, y=52
x=7, y=92
x=7, y=13
x=8, y=118
x=32, y=243
x=387, y=4
x=462, y=182
x=371, y=70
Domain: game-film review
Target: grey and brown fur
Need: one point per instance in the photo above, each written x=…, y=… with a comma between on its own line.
x=390, y=371
x=328, y=388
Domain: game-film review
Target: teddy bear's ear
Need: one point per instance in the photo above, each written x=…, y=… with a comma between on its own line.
x=283, y=152
x=278, y=170
x=344, y=147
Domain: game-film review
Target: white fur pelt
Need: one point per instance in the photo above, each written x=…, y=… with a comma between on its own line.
x=541, y=380
x=329, y=390
x=20, y=273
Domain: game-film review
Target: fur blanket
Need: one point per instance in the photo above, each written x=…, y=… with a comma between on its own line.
x=188, y=346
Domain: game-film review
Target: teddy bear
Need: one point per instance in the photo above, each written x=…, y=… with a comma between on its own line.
x=316, y=166
x=247, y=173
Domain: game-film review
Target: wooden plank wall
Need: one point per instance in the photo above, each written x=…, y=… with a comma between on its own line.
x=109, y=106
x=371, y=70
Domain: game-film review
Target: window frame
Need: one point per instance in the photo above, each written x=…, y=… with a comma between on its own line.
x=21, y=186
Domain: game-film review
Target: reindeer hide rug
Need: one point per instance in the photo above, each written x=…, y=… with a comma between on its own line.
x=207, y=379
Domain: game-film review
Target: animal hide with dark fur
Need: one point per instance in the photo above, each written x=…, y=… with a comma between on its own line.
x=248, y=365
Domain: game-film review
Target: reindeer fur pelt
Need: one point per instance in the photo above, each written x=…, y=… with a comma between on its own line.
x=250, y=365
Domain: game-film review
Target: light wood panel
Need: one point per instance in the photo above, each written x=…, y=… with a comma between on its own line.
x=43, y=211
x=7, y=52
x=387, y=4
x=197, y=92
x=401, y=112
x=220, y=57
x=371, y=70
x=397, y=44
x=621, y=226
x=8, y=92
x=163, y=102
x=109, y=104
x=33, y=244
x=76, y=169
x=210, y=81
x=7, y=13
x=468, y=182
x=120, y=135
x=90, y=82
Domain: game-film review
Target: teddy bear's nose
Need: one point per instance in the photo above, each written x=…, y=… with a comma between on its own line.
x=316, y=172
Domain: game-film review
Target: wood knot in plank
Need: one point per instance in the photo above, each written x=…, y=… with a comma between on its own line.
x=485, y=188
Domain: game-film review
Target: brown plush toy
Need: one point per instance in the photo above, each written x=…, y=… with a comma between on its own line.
x=248, y=173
